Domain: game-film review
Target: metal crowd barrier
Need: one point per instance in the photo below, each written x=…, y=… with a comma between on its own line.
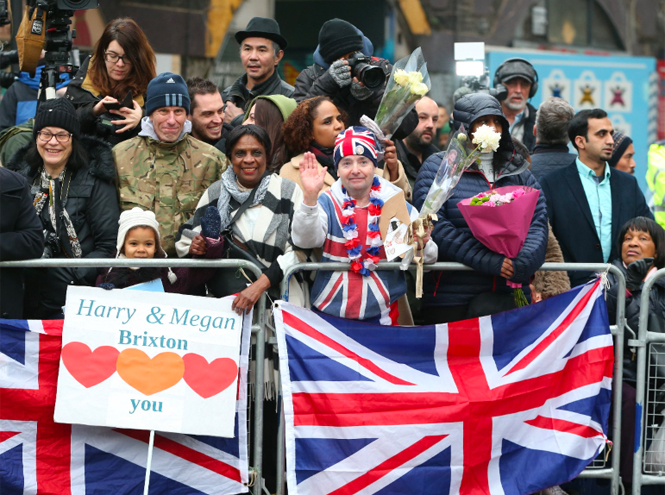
x=598, y=468
x=258, y=329
x=650, y=355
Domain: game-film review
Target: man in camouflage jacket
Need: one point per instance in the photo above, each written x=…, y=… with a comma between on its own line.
x=164, y=169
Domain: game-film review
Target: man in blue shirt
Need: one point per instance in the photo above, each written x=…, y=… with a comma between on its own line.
x=587, y=201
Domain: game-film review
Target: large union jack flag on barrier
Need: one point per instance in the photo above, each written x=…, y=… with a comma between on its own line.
x=39, y=456
x=508, y=404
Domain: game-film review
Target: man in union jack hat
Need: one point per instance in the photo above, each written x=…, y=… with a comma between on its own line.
x=345, y=221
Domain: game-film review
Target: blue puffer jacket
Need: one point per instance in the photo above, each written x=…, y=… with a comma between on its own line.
x=456, y=242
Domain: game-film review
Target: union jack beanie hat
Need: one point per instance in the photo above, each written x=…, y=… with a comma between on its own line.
x=355, y=141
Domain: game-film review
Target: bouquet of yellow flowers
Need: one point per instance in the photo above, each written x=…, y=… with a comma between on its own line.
x=408, y=82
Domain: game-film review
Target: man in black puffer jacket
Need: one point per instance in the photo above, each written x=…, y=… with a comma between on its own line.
x=451, y=296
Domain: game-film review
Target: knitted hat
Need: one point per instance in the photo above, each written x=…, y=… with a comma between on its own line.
x=355, y=141
x=337, y=38
x=58, y=112
x=167, y=90
x=621, y=142
x=136, y=217
x=285, y=105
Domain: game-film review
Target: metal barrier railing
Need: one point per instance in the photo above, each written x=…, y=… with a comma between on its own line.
x=611, y=473
x=258, y=329
x=644, y=474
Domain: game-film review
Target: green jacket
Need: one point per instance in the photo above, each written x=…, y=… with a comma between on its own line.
x=166, y=178
x=15, y=138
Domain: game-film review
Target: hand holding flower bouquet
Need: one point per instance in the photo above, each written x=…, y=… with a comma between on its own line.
x=408, y=82
x=500, y=218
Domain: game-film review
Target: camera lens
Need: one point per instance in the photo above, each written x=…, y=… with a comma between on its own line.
x=372, y=77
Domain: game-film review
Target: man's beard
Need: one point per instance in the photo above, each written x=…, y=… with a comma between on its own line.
x=417, y=143
x=516, y=106
x=200, y=133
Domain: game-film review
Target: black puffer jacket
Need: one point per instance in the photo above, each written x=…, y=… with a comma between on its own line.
x=92, y=205
x=633, y=304
x=84, y=101
x=452, y=233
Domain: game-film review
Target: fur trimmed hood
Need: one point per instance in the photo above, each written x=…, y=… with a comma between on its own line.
x=100, y=162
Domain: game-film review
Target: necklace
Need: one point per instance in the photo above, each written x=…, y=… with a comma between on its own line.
x=350, y=227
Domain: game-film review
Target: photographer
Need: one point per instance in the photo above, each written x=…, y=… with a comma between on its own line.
x=74, y=196
x=341, y=45
x=123, y=64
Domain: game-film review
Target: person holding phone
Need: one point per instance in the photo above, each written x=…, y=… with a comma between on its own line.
x=108, y=91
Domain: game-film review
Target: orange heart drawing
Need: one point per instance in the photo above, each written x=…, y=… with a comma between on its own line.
x=150, y=376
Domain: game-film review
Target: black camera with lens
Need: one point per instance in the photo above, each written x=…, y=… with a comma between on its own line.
x=370, y=75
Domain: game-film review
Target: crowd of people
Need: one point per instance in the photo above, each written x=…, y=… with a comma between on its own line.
x=132, y=164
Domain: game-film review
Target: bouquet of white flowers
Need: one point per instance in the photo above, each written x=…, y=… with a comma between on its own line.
x=408, y=82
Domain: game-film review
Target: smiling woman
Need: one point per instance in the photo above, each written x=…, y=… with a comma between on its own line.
x=123, y=64
x=256, y=208
x=72, y=179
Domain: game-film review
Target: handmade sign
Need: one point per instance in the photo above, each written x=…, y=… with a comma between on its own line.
x=138, y=360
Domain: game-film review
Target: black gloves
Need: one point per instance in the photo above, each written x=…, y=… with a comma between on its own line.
x=636, y=272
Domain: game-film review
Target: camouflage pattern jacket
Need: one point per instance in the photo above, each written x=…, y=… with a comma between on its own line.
x=166, y=178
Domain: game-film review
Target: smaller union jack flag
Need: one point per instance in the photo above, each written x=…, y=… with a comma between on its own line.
x=505, y=405
x=39, y=456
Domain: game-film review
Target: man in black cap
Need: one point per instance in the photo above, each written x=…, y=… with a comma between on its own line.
x=338, y=42
x=261, y=49
x=517, y=82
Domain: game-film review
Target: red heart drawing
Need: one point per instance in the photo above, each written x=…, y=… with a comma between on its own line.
x=209, y=379
x=89, y=368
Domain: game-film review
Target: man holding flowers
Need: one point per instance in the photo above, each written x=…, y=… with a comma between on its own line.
x=346, y=222
x=451, y=296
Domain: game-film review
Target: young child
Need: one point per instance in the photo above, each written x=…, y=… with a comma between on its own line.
x=138, y=238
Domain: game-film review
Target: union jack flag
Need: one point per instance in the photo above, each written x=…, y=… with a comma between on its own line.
x=39, y=456
x=505, y=404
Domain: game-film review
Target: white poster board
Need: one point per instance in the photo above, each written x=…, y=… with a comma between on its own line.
x=149, y=361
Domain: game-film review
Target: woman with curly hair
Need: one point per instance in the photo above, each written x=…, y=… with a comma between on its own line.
x=123, y=63
x=312, y=128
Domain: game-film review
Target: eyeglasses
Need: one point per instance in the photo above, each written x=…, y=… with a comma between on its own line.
x=61, y=137
x=113, y=58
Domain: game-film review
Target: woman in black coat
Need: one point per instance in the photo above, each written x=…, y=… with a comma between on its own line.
x=451, y=296
x=20, y=239
x=74, y=195
x=642, y=247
